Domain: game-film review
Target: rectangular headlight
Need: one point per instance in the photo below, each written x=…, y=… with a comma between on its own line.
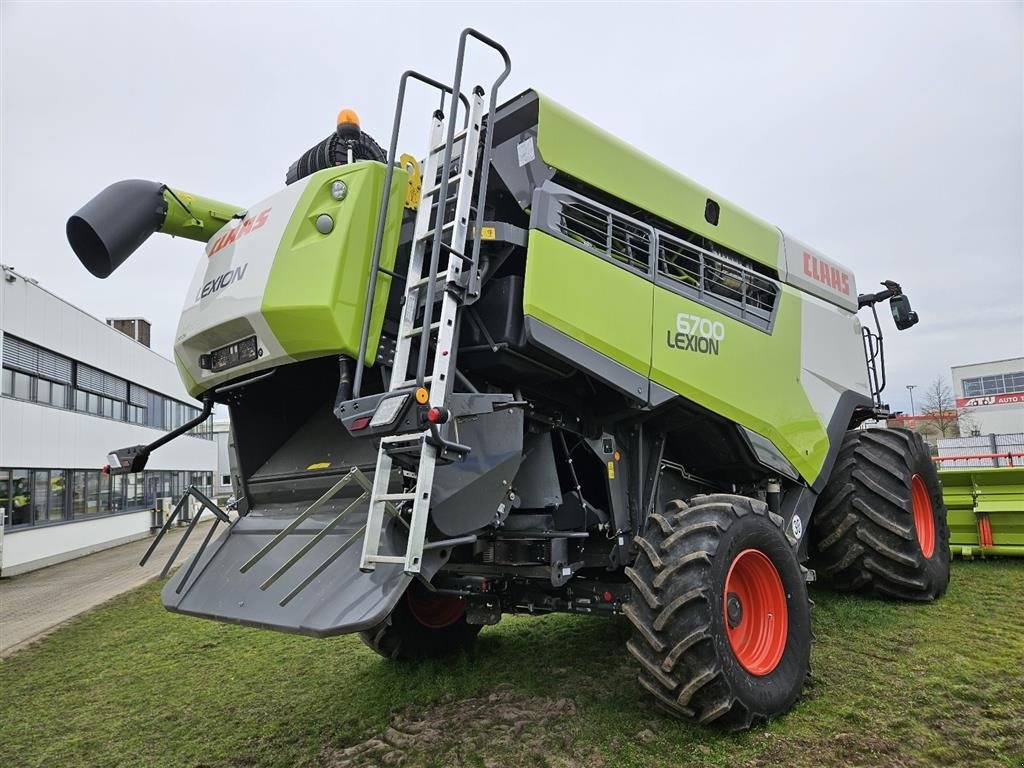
x=388, y=411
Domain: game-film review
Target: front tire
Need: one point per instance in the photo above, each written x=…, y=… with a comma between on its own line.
x=880, y=525
x=423, y=625
x=720, y=612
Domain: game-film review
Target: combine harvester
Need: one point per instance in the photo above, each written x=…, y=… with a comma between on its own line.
x=534, y=371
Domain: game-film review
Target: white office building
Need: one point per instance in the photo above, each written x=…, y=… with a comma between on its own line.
x=990, y=396
x=74, y=388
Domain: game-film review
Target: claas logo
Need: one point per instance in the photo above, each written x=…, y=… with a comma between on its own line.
x=820, y=270
x=249, y=224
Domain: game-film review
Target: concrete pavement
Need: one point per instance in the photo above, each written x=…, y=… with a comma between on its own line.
x=34, y=604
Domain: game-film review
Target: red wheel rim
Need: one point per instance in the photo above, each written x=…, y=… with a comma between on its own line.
x=756, y=613
x=434, y=611
x=924, y=519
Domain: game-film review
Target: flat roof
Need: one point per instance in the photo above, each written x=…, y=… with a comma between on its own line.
x=33, y=281
x=988, y=362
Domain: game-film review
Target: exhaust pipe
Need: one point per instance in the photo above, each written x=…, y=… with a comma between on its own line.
x=110, y=227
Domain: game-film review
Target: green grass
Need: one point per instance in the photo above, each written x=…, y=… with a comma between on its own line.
x=133, y=685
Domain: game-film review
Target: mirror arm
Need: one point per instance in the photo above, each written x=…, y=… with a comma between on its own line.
x=892, y=289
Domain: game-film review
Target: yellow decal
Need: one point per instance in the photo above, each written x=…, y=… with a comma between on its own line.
x=319, y=465
x=488, y=233
x=611, y=470
x=412, y=191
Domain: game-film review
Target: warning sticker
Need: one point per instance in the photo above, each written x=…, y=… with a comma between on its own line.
x=526, y=151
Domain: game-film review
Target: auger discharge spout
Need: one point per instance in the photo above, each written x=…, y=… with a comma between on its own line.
x=108, y=229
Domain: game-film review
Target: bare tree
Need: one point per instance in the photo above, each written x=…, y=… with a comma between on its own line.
x=939, y=408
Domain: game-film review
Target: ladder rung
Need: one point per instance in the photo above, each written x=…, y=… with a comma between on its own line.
x=385, y=559
x=437, y=187
x=410, y=438
x=419, y=329
x=395, y=497
x=458, y=139
x=443, y=275
x=410, y=382
x=431, y=232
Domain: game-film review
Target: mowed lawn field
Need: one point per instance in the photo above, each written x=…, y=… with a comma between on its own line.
x=892, y=685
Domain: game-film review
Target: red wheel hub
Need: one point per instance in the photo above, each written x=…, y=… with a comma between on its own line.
x=924, y=518
x=756, y=612
x=434, y=611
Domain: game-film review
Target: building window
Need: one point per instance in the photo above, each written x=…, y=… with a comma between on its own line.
x=999, y=384
x=58, y=395
x=58, y=492
x=116, y=493
x=5, y=494
x=103, y=506
x=36, y=374
x=78, y=495
x=40, y=494
x=21, y=498
x=22, y=386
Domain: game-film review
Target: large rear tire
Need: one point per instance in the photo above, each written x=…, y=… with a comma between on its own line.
x=720, y=612
x=879, y=526
x=423, y=625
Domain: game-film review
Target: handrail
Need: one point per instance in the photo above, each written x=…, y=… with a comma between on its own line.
x=378, y=240
x=446, y=161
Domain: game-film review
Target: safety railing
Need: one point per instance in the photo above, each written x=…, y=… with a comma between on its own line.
x=1008, y=456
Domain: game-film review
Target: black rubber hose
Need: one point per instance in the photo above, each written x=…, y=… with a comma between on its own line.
x=333, y=151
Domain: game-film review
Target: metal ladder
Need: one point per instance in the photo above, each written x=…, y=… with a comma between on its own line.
x=434, y=232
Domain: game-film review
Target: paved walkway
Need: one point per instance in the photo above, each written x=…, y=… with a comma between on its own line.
x=34, y=604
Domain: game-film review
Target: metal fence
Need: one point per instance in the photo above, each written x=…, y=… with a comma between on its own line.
x=991, y=451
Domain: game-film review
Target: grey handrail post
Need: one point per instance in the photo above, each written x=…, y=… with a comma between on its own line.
x=435, y=252
x=378, y=239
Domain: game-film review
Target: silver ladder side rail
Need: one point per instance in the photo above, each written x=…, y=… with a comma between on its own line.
x=422, y=281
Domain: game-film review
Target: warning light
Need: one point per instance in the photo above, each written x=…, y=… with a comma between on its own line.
x=607, y=597
x=616, y=455
x=348, y=125
x=360, y=423
x=348, y=117
x=437, y=415
x=422, y=395
x=105, y=469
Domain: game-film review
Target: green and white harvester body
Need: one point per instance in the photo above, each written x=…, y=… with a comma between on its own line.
x=534, y=370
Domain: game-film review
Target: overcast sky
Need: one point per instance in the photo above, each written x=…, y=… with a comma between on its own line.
x=889, y=137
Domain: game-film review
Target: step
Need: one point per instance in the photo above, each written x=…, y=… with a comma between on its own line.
x=386, y=559
x=395, y=497
x=431, y=232
x=437, y=187
x=410, y=438
x=419, y=329
x=411, y=382
x=443, y=275
x=458, y=139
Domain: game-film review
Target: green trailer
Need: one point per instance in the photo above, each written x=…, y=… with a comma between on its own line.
x=985, y=510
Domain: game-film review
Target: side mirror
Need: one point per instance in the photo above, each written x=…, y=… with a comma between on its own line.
x=902, y=314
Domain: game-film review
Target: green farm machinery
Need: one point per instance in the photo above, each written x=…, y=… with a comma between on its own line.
x=532, y=370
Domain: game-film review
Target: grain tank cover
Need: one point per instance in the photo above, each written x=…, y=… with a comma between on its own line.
x=288, y=282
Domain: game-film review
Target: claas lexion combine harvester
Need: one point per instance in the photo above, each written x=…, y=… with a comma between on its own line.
x=534, y=371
